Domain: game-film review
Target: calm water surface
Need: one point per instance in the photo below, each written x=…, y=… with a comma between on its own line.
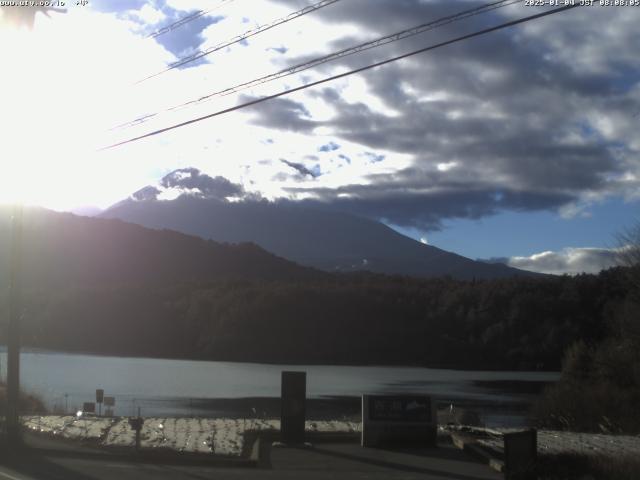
x=181, y=387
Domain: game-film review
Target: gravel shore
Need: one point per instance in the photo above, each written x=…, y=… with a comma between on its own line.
x=222, y=436
x=552, y=442
x=225, y=436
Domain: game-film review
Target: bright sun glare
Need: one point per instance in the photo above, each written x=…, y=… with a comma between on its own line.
x=63, y=85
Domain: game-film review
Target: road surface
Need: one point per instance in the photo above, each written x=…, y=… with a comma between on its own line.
x=322, y=461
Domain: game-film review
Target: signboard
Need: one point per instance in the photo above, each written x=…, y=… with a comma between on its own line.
x=389, y=420
x=109, y=401
x=89, y=407
x=99, y=395
x=136, y=423
x=520, y=453
x=293, y=411
x=400, y=409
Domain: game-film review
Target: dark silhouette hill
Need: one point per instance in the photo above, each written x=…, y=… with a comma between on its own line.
x=61, y=249
x=328, y=240
x=110, y=287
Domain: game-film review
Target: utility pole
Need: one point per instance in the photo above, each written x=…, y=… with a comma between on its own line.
x=18, y=17
x=13, y=337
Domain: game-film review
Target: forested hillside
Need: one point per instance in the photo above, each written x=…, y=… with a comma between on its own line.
x=61, y=250
x=356, y=319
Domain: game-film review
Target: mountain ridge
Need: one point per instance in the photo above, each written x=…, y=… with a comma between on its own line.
x=63, y=248
x=314, y=237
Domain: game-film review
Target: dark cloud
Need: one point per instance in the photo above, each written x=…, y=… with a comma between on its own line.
x=146, y=193
x=508, y=121
x=301, y=169
x=193, y=182
x=282, y=113
x=396, y=202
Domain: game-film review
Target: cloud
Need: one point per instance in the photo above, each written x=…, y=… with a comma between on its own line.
x=570, y=261
x=508, y=121
x=374, y=158
x=511, y=121
x=145, y=194
x=280, y=50
x=191, y=181
x=329, y=147
x=282, y=114
x=185, y=40
x=150, y=15
x=301, y=169
x=419, y=199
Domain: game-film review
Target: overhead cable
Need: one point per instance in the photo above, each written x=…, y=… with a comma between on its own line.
x=342, y=75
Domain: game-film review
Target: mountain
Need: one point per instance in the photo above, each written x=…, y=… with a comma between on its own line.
x=328, y=240
x=62, y=249
x=111, y=287
x=87, y=211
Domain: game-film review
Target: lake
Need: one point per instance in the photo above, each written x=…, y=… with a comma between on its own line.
x=184, y=387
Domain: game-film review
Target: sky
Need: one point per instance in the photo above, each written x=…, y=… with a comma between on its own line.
x=519, y=146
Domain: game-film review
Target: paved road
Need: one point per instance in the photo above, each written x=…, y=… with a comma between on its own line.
x=49, y=459
x=324, y=461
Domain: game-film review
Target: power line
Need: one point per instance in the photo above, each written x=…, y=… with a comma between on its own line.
x=345, y=74
x=333, y=56
x=353, y=50
x=244, y=36
x=185, y=20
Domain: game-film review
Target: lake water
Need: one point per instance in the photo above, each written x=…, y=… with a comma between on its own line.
x=183, y=387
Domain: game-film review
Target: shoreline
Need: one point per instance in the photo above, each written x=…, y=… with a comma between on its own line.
x=328, y=408
x=475, y=367
x=229, y=437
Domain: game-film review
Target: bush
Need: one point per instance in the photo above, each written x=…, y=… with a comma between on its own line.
x=29, y=403
x=573, y=466
x=599, y=390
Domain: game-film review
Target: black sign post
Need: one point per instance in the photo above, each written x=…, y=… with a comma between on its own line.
x=136, y=425
x=293, y=411
x=99, y=399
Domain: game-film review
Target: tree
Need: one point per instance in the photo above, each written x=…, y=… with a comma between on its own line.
x=629, y=254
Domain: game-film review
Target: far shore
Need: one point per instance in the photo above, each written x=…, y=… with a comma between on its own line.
x=476, y=366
